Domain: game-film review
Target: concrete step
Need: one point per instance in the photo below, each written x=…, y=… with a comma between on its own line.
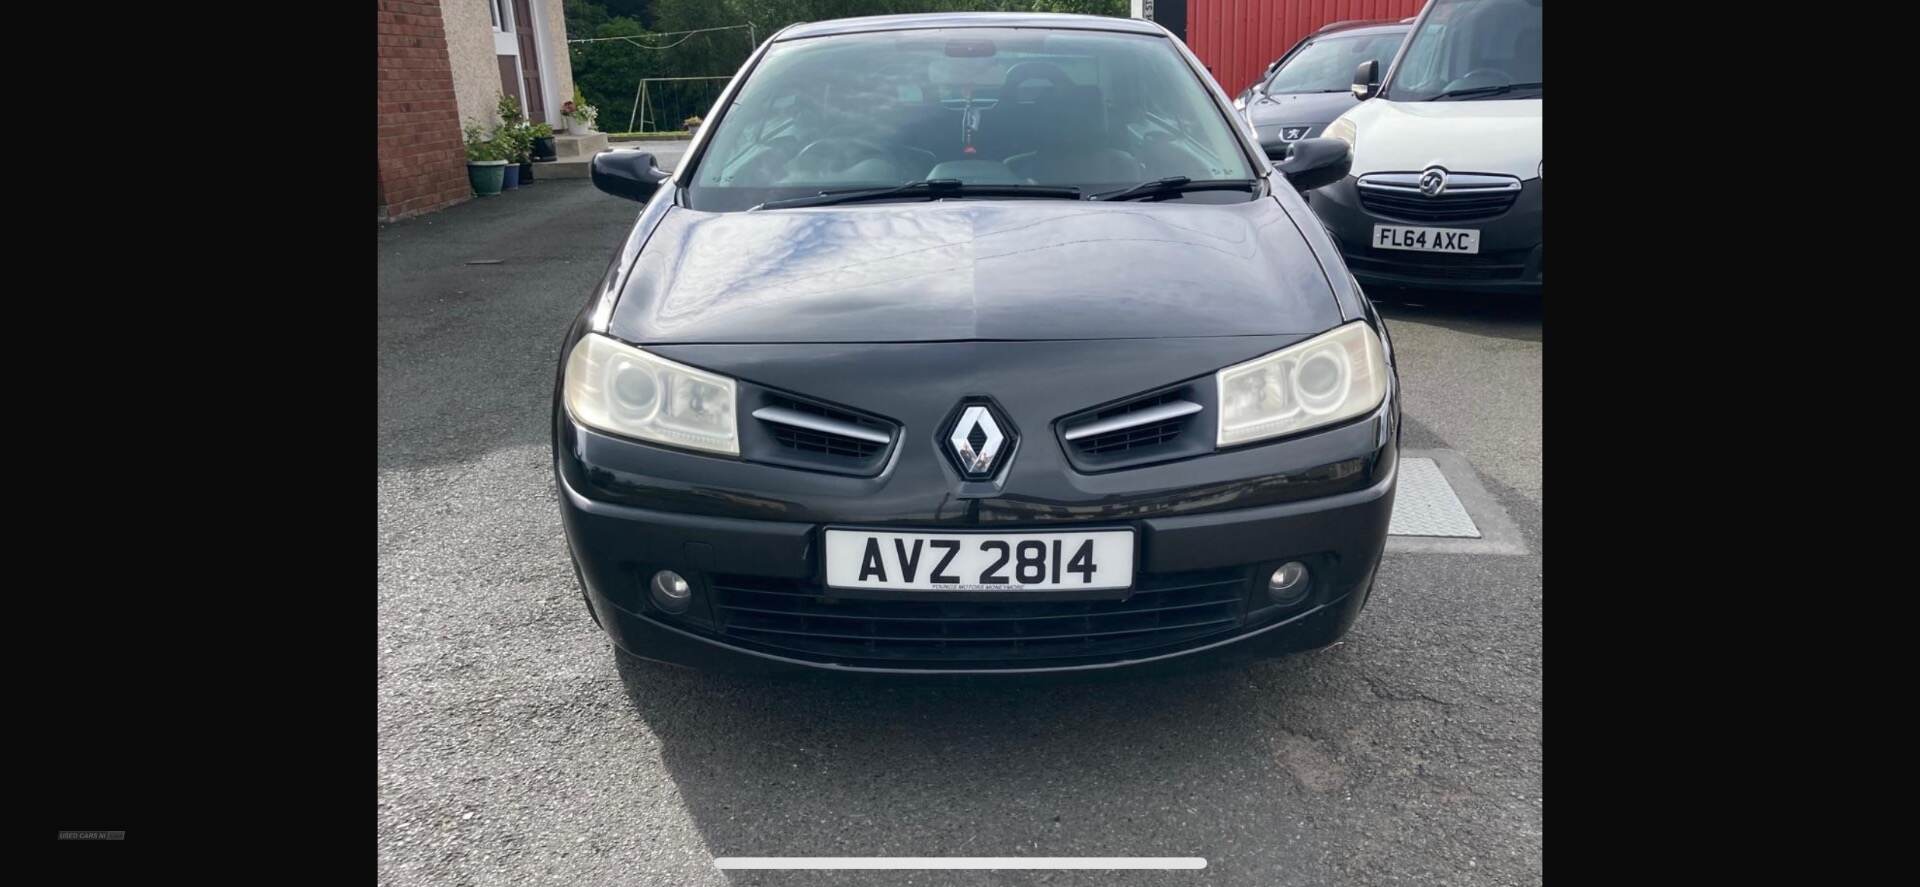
x=570, y=147
x=581, y=167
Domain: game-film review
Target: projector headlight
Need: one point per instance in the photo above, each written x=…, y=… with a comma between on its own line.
x=1327, y=379
x=620, y=389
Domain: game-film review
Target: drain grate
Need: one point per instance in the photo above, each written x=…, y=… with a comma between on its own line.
x=1426, y=505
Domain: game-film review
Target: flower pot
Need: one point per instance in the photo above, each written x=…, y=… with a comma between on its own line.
x=526, y=173
x=693, y=130
x=577, y=126
x=511, y=180
x=486, y=176
x=543, y=150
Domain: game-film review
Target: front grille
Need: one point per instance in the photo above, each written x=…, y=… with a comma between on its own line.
x=826, y=444
x=1448, y=207
x=1439, y=269
x=1154, y=427
x=1500, y=265
x=1466, y=197
x=1138, y=436
x=801, y=619
x=822, y=447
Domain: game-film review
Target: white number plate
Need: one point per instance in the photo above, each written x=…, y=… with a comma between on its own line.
x=1431, y=240
x=1098, y=559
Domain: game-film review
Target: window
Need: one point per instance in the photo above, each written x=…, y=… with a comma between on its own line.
x=1089, y=109
x=502, y=11
x=1327, y=64
x=1468, y=49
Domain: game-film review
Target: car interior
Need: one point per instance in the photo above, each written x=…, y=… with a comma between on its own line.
x=1005, y=118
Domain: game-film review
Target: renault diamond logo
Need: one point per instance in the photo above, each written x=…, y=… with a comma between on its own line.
x=1433, y=182
x=977, y=441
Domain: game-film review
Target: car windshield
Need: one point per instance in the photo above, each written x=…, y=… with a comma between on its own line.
x=985, y=106
x=1327, y=64
x=1471, y=49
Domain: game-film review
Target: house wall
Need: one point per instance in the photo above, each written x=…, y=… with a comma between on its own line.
x=422, y=162
x=476, y=66
x=559, y=60
x=476, y=75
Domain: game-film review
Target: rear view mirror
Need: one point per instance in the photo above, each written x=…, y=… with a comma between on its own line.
x=1366, y=80
x=629, y=174
x=1312, y=163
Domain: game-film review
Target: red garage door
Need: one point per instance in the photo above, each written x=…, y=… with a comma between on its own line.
x=1237, y=38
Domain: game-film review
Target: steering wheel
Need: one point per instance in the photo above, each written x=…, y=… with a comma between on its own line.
x=835, y=153
x=1478, y=78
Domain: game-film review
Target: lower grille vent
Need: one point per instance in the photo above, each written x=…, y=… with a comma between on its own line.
x=800, y=618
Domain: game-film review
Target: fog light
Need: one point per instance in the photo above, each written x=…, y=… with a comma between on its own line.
x=671, y=592
x=1288, y=584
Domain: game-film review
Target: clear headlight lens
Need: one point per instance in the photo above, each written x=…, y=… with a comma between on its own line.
x=623, y=390
x=1326, y=379
x=1342, y=128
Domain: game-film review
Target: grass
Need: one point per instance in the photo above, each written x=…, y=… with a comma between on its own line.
x=630, y=136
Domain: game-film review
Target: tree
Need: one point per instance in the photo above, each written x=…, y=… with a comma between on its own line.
x=609, y=72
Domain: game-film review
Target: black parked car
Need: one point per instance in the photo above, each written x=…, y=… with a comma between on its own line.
x=1311, y=84
x=974, y=343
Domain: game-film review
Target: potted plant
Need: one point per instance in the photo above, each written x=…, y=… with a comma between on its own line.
x=580, y=115
x=486, y=170
x=509, y=137
x=692, y=124
x=520, y=150
x=543, y=149
x=510, y=174
x=508, y=108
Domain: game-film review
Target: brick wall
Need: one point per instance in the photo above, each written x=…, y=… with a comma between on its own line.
x=423, y=165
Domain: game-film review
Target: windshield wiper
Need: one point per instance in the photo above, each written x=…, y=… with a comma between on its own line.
x=1175, y=185
x=932, y=188
x=1485, y=90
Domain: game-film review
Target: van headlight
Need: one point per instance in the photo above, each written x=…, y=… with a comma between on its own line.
x=1327, y=379
x=620, y=389
x=1342, y=128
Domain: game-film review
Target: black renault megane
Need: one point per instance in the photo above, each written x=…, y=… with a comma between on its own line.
x=974, y=343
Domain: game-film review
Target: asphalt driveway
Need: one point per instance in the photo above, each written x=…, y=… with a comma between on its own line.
x=512, y=752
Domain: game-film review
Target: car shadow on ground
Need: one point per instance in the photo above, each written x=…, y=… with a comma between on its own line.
x=1500, y=315
x=1221, y=763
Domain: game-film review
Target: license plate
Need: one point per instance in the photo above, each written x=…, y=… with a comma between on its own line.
x=1082, y=561
x=1431, y=240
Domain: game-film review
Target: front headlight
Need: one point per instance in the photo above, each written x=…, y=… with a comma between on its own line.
x=1342, y=128
x=623, y=390
x=1326, y=379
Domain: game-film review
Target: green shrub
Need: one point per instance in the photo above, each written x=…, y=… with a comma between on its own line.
x=482, y=147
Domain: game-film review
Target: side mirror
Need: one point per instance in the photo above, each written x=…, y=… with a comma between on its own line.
x=1366, y=80
x=629, y=174
x=1312, y=163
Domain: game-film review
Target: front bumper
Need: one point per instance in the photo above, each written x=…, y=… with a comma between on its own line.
x=1511, y=258
x=1193, y=558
